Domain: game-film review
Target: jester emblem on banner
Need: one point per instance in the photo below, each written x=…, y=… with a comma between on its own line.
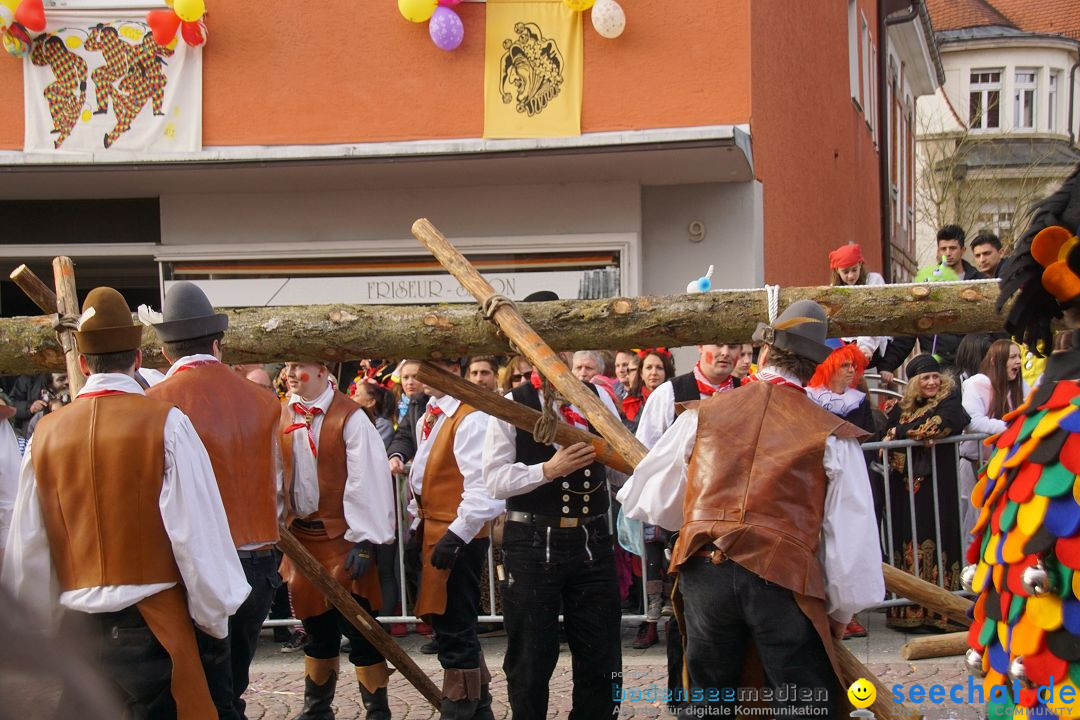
x=531, y=70
x=106, y=85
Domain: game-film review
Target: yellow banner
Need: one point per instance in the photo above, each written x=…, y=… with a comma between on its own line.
x=533, y=69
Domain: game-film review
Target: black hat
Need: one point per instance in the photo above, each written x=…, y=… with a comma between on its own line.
x=922, y=364
x=187, y=314
x=801, y=329
x=540, y=296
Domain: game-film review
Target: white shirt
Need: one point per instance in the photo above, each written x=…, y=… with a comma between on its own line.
x=977, y=397
x=849, y=553
x=10, y=457
x=194, y=520
x=476, y=507
x=503, y=476
x=659, y=412
x=369, y=493
x=279, y=475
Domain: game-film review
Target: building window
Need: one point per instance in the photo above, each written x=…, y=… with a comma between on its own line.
x=867, y=68
x=985, y=100
x=1025, y=92
x=853, y=50
x=1051, y=105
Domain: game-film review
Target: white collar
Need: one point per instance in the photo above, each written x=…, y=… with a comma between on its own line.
x=322, y=402
x=188, y=360
x=111, y=381
x=768, y=370
x=447, y=403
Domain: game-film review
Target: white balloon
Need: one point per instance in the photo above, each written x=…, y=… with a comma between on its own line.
x=608, y=18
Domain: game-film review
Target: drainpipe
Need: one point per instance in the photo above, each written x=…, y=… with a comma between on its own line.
x=885, y=8
x=1072, y=94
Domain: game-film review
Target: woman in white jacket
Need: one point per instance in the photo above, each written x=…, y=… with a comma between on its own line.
x=987, y=396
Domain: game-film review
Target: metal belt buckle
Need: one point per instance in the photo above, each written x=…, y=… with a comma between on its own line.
x=567, y=522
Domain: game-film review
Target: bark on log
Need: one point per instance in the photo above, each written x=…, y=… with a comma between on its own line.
x=345, y=332
x=368, y=626
x=927, y=594
x=516, y=414
x=35, y=289
x=851, y=670
x=934, y=646
x=67, y=303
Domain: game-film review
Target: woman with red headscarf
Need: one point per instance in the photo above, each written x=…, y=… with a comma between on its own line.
x=848, y=267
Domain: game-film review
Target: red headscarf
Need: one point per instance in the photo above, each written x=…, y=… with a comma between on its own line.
x=845, y=256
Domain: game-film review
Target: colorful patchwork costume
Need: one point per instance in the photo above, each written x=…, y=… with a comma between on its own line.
x=1026, y=549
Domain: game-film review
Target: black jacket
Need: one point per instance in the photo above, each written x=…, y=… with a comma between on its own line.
x=404, y=442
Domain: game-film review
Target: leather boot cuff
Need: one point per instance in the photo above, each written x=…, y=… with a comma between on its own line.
x=461, y=684
x=373, y=677
x=321, y=670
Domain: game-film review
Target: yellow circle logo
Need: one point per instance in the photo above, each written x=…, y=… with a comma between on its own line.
x=862, y=693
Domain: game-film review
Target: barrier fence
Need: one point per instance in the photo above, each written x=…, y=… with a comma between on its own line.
x=902, y=515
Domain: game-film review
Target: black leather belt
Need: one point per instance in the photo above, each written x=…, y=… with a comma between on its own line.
x=251, y=554
x=554, y=521
x=309, y=524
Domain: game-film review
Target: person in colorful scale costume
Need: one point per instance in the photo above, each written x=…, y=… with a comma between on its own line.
x=1025, y=635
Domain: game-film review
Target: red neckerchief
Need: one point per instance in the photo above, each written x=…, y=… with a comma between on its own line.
x=194, y=364
x=773, y=379
x=536, y=380
x=631, y=406
x=571, y=416
x=99, y=393
x=309, y=417
x=706, y=388
x=430, y=418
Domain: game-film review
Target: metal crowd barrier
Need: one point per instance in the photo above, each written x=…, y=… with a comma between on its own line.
x=492, y=613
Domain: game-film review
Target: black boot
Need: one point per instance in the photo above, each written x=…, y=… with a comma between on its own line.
x=318, y=697
x=458, y=709
x=376, y=703
x=483, y=709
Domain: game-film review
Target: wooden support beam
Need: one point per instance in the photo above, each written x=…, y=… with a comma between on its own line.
x=67, y=304
x=927, y=594
x=933, y=646
x=883, y=708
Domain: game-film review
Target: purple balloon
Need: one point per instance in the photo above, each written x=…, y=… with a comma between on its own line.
x=446, y=29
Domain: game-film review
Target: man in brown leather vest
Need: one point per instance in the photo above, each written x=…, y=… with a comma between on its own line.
x=117, y=501
x=454, y=507
x=237, y=422
x=342, y=503
x=777, y=545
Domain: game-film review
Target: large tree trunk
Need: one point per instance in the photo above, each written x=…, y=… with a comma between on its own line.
x=343, y=332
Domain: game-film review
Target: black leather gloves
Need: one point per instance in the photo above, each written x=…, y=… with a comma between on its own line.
x=446, y=551
x=360, y=559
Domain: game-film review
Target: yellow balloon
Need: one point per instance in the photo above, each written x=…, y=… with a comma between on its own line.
x=579, y=5
x=416, y=11
x=189, y=10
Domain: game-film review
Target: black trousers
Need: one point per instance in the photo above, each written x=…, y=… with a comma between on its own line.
x=130, y=658
x=455, y=629
x=574, y=567
x=226, y=665
x=324, y=637
x=726, y=607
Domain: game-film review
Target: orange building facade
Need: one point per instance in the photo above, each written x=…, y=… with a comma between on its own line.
x=711, y=133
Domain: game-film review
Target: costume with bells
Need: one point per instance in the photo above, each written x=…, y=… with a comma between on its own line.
x=1026, y=549
x=112, y=471
x=237, y=421
x=770, y=495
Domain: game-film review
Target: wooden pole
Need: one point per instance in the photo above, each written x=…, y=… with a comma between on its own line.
x=532, y=346
x=67, y=303
x=851, y=670
x=927, y=594
x=518, y=415
x=933, y=646
x=368, y=626
x=36, y=290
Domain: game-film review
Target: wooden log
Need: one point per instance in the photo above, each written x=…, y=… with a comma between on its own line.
x=883, y=708
x=933, y=646
x=518, y=415
x=333, y=333
x=532, y=346
x=35, y=289
x=67, y=303
x=368, y=626
x=927, y=594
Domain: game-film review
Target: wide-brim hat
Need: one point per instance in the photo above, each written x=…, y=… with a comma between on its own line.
x=187, y=315
x=801, y=329
x=109, y=328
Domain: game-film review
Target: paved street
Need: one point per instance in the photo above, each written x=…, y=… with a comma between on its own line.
x=277, y=686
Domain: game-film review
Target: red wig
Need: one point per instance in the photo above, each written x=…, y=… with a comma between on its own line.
x=827, y=370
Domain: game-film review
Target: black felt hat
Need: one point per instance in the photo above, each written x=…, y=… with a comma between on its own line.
x=187, y=314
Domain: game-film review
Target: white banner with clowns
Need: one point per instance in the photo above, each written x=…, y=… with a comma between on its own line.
x=102, y=85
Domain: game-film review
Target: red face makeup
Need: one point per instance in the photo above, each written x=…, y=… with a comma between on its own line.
x=709, y=357
x=303, y=377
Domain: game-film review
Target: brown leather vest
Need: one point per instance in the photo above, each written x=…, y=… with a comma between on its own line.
x=99, y=464
x=331, y=462
x=443, y=482
x=236, y=420
x=756, y=483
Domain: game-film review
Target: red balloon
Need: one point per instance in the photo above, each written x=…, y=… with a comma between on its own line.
x=194, y=33
x=163, y=23
x=31, y=13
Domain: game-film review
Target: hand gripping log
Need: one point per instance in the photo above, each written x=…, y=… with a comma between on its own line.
x=368, y=626
x=549, y=364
